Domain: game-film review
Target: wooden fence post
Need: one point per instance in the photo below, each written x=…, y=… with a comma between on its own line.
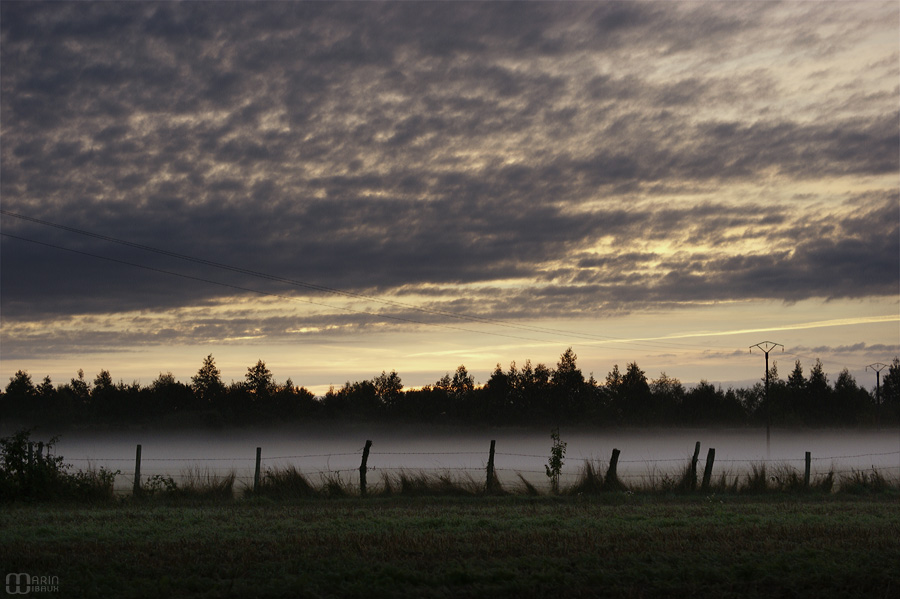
x=611, y=482
x=806, y=472
x=137, y=471
x=362, y=468
x=613, y=464
x=256, y=471
x=707, y=472
x=489, y=486
x=694, y=466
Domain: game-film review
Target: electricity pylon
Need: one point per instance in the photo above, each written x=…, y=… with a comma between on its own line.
x=877, y=367
x=766, y=347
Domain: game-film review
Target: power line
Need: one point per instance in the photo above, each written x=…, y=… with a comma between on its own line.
x=325, y=289
x=257, y=291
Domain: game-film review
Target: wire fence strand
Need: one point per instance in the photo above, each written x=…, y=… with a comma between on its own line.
x=194, y=468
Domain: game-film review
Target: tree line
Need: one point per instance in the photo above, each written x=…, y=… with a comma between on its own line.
x=530, y=394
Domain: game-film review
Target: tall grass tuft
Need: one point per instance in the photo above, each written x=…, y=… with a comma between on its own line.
x=861, y=482
x=788, y=479
x=756, y=481
x=197, y=484
x=204, y=484
x=285, y=483
x=387, y=485
x=420, y=484
x=589, y=481
x=611, y=482
x=528, y=488
x=335, y=486
x=824, y=484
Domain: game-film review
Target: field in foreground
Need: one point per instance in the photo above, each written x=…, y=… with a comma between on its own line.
x=613, y=546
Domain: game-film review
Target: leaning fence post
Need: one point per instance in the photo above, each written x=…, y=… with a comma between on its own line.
x=137, y=471
x=613, y=464
x=362, y=468
x=612, y=482
x=256, y=471
x=806, y=472
x=694, y=466
x=490, y=469
x=707, y=472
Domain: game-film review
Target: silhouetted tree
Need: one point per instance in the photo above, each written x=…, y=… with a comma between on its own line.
x=494, y=397
x=461, y=390
x=705, y=404
x=531, y=401
x=568, y=387
x=635, y=396
x=259, y=381
x=388, y=388
x=207, y=383
x=890, y=390
x=614, y=392
x=20, y=395
x=80, y=388
x=21, y=387
x=294, y=402
x=532, y=394
x=168, y=395
x=105, y=398
x=816, y=401
x=851, y=404
x=668, y=396
x=335, y=403
x=46, y=390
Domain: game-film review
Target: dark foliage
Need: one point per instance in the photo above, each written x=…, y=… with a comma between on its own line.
x=30, y=472
x=532, y=394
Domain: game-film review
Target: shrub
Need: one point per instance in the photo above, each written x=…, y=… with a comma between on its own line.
x=29, y=472
x=93, y=485
x=158, y=484
x=557, y=455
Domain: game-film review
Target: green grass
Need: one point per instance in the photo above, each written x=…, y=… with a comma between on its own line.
x=605, y=545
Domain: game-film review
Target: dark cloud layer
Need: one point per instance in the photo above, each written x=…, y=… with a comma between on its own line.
x=380, y=148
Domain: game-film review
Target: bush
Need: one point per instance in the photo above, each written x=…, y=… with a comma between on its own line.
x=28, y=472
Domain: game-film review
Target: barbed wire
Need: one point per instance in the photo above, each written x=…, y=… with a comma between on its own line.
x=264, y=458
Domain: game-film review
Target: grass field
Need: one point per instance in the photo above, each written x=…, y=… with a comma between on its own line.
x=614, y=545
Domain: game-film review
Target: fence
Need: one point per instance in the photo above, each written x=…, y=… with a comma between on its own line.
x=495, y=466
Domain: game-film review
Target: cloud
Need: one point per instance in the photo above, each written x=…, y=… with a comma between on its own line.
x=397, y=148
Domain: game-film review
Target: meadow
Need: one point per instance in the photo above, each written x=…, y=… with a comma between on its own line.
x=618, y=544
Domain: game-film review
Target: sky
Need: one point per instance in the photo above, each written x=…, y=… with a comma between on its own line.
x=341, y=189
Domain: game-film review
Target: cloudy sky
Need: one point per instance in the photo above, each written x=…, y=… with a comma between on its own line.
x=345, y=188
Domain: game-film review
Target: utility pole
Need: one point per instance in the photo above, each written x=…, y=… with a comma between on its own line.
x=766, y=347
x=877, y=367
